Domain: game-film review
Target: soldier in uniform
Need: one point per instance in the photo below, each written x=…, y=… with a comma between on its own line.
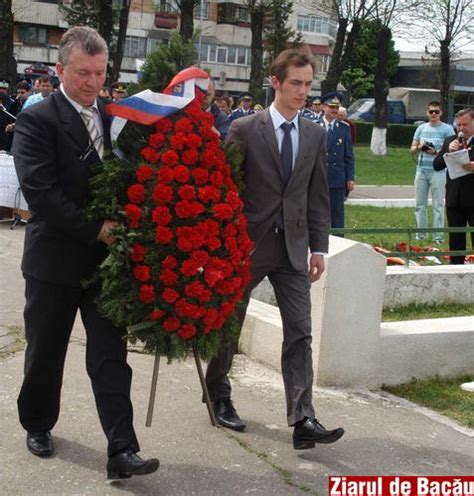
x=119, y=91
x=340, y=158
x=317, y=108
x=245, y=107
x=306, y=112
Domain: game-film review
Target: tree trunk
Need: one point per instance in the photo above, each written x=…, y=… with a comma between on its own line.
x=7, y=60
x=186, y=27
x=352, y=37
x=257, y=15
x=120, y=44
x=333, y=75
x=105, y=20
x=445, y=76
x=381, y=92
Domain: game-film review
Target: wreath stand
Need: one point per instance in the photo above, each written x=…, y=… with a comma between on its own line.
x=154, y=380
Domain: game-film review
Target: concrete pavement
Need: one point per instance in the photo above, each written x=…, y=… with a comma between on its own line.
x=384, y=435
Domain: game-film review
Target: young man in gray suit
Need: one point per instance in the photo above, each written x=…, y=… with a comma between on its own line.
x=286, y=202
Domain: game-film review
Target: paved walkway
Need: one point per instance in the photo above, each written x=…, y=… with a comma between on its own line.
x=383, y=435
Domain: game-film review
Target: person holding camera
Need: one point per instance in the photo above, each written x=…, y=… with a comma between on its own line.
x=427, y=142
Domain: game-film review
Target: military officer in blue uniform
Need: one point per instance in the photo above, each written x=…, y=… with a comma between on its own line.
x=340, y=158
x=245, y=107
x=306, y=112
x=317, y=108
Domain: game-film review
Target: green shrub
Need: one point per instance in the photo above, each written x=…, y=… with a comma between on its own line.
x=397, y=134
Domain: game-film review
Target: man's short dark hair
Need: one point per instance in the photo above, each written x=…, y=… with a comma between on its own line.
x=225, y=99
x=466, y=111
x=45, y=79
x=23, y=85
x=299, y=57
x=434, y=104
x=88, y=40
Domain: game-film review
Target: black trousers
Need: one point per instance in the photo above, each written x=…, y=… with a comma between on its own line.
x=459, y=217
x=292, y=291
x=49, y=314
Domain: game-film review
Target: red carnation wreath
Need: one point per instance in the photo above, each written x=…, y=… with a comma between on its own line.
x=181, y=260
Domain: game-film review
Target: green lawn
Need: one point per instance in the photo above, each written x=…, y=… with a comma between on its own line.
x=443, y=395
x=397, y=167
x=372, y=217
x=416, y=312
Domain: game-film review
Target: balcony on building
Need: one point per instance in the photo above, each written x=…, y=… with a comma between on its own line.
x=233, y=13
x=166, y=15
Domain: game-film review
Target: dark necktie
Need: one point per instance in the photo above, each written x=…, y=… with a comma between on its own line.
x=286, y=153
x=329, y=130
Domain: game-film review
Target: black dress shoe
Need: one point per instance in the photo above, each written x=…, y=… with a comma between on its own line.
x=227, y=416
x=126, y=463
x=310, y=431
x=40, y=443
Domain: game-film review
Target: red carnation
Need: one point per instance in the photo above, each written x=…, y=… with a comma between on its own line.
x=187, y=331
x=233, y=200
x=169, y=262
x=138, y=252
x=189, y=157
x=165, y=175
x=181, y=174
x=193, y=141
x=200, y=175
x=189, y=268
x=208, y=158
x=156, y=314
x=156, y=140
x=144, y=173
x=217, y=179
x=161, y=216
x=164, y=236
x=184, y=244
x=200, y=257
x=162, y=193
x=136, y=193
x=170, y=157
x=133, y=214
x=183, y=125
x=164, y=125
x=147, y=293
x=222, y=211
x=208, y=194
x=178, y=141
x=213, y=244
x=141, y=273
x=170, y=295
x=230, y=231
x=150, y=154
x=187, y=192
x=212, y=276
x=171, y=324
x=168, y=277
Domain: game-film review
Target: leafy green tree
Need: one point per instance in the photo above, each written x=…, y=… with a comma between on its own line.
x=277, y=32
x=166, y=61
x=357, y=83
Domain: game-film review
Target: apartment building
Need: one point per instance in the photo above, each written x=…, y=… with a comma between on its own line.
x=222, y=46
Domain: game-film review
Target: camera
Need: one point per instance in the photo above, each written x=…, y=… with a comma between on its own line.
x=427, y=146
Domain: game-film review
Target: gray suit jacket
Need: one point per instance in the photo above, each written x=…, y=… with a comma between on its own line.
x=304, y=199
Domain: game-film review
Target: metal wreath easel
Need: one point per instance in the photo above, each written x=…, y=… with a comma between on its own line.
x=154, y=380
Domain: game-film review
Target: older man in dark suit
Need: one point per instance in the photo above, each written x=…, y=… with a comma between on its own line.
x=56, y=143
x=286, y=203
x=459, y=191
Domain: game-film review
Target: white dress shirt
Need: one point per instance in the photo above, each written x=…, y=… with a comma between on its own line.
x=278, y=120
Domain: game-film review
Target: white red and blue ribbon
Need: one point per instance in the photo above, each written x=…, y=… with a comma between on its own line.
x=148, y=107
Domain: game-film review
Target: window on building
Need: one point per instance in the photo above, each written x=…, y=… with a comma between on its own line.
x=230, y=55
x=201, y=11
x=325, y=61
x=33, y=35
x=316, y=24
x=135, y=47
x=170, y=6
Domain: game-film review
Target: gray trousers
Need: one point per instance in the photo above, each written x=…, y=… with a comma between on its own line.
x=292, y=291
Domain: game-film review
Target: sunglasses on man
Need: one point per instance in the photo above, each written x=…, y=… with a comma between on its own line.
x=434, y=111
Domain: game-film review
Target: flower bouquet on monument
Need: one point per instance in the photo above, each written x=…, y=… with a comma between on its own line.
x=180, y=262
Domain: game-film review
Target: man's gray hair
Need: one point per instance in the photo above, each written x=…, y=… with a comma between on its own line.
x=88, y=40
x=466, y=111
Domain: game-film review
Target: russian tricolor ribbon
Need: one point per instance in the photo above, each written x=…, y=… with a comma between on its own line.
x=148, y=107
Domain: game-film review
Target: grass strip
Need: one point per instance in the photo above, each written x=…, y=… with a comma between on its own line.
x=417, y=312
x=442, y=395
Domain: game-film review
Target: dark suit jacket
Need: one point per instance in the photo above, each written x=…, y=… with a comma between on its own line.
x=460, y=191
x=304, y=199
x=50, y=140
